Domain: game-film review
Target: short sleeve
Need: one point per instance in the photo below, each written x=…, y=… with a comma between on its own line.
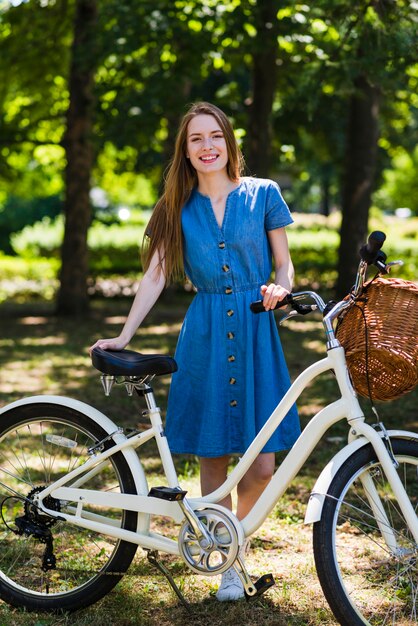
x=277, y=212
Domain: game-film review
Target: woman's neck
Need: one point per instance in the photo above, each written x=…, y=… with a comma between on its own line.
x=216, y=186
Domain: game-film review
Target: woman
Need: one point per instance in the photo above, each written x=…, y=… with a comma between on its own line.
x=224, y=230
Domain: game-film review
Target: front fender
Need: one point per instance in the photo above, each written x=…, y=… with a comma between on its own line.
x=317, y=497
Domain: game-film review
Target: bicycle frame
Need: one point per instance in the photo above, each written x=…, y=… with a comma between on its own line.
x=347, y=406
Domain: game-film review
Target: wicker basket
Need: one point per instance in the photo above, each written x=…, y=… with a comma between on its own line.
x=389, y=307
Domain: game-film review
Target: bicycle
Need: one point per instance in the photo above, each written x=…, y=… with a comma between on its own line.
x=75, y=502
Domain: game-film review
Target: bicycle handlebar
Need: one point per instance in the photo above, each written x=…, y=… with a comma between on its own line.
x=291, y=298
x=257, y=306
x=370, y=253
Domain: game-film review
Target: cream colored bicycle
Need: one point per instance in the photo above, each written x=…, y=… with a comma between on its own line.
x=75, y=503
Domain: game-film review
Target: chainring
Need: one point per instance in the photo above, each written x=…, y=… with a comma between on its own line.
x=225, y=544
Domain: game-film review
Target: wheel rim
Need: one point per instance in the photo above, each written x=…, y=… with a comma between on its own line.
x=382, y=586
x=33, y=454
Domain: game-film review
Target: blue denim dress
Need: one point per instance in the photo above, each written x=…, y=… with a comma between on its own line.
x=231, y=368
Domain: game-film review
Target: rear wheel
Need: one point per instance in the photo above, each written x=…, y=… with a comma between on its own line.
x=363, y=579
x=48, y=564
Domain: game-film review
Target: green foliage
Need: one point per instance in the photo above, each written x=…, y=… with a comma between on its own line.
x=113, y=249
x=35, y=40
x=22, y=280
x=400, y=186
x=42, y=239
x=116, y=173
x=28, y=269
x=314, y=255
x=18, y=212
x=155, y=56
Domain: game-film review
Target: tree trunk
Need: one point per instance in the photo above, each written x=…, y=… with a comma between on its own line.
x=358, y=183
x=72, y=296
x=325, y=189
x=264, y=79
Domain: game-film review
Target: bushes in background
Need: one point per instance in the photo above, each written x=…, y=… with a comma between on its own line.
x=114, y=249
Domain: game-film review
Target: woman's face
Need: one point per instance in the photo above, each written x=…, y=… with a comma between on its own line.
x=206, y=145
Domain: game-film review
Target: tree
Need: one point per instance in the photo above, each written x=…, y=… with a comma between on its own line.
x=382, y=53
x=78, y=144
x=301, y=82
x=359, y=178
x=347, y=61
x=264, y=69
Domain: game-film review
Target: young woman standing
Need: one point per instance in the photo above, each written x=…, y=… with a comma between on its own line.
x=224, y=231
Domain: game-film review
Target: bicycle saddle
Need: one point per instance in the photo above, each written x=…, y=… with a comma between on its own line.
x=131, y=363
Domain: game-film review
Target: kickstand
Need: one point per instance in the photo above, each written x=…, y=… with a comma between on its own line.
x=152, y=558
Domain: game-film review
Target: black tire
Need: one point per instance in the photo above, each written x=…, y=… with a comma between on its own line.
x=362, y=580
x=39, y=443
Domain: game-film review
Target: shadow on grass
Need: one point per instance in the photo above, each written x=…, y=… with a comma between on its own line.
x=150, y=603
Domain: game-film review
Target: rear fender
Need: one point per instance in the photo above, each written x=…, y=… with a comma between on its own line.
x=110, y=427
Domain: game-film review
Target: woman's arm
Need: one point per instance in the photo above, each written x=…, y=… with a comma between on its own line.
x=149, y=290
x=284, y=273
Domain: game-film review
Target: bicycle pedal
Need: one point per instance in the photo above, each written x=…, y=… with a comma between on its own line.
x=262, y=584
x=172, y=494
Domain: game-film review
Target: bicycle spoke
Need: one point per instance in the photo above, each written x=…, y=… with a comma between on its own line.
x=34, y=453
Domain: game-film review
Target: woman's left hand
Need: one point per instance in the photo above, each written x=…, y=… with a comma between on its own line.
x=272, y=294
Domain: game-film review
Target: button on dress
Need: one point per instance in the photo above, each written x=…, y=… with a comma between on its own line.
x=231, y=368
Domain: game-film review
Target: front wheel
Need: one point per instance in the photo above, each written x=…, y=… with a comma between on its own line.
x=366, y=561
x=47, y=564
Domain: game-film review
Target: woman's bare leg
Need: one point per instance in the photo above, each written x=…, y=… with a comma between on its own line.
x=213, y=472
x=253, y=482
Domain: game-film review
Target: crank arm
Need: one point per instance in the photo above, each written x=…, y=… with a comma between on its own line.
x=241, y=570
x=251, y=588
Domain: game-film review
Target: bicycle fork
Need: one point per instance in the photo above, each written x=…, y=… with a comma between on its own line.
x=389, y=466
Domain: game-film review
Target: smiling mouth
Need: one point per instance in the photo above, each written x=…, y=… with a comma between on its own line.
x=209, y=158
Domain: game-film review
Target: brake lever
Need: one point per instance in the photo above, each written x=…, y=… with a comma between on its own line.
x=299, y=309
x=287, y=316
x=392, y=264
x=383, y=267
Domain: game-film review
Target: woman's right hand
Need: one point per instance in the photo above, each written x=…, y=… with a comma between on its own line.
x=117, y=343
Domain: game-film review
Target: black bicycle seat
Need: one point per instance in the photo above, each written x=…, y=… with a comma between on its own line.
x=131, y=363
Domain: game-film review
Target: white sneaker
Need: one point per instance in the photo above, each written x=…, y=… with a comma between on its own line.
x=231, y=587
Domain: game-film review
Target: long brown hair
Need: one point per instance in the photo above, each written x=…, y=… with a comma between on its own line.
x=163, y=234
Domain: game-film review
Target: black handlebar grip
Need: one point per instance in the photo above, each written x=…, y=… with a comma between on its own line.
x=369, y=251
x=257, y=306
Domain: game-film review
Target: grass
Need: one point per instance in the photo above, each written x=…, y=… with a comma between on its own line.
x=41, y=354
